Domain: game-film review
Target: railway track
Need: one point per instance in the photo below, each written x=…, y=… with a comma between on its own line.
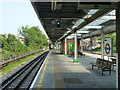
x=24, y=77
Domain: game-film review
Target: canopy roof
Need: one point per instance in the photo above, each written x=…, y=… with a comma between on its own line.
x=75, y=16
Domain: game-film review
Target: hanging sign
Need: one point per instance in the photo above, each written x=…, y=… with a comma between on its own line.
x=108, y=47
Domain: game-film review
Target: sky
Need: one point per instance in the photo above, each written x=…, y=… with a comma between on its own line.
x=17, y=13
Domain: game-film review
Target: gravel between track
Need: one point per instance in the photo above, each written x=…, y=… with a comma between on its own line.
x=6, y=76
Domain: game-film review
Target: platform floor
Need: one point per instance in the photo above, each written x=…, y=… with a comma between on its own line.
x=59, y=71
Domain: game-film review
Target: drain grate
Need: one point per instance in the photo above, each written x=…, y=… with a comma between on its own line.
x=72, y=80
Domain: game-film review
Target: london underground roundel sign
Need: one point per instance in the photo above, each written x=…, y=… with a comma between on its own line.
x=107, y=48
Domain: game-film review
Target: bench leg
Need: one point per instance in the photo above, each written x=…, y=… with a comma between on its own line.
x=102, y=72
x=98, y=68
x=84, y=55
x=92, y=67
x=110, y=72
x=113, y=67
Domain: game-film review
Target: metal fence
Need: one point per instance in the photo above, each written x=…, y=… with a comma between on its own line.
x=16, y=56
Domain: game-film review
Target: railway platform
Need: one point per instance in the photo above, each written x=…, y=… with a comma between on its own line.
x=59, y=71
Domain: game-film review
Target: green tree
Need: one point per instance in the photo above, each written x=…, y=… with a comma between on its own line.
x=34, y=38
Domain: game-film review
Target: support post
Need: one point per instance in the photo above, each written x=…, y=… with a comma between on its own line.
x=75, y=49
x=118, y=46
x=91, y=43
x=61, y=47
x=65, y=46
x=81, y=44
x=102, y=45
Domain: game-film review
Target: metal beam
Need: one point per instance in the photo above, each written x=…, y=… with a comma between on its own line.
x=55, y=34
x=55, y=26
x=55, y=31
x=105, y=30
x=95, y=16
x=113, y=5
x=61, y=15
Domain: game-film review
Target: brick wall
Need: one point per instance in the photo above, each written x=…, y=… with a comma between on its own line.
x=70, y=41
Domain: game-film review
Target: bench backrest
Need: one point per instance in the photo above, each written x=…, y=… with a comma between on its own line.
x=113, y=60
x=98, y=61
x=104, y=63
x=71, y=53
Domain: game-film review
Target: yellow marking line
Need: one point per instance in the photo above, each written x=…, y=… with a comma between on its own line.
x=43, y=71
x=39, y=85
x=41, y=79
x=75, y=54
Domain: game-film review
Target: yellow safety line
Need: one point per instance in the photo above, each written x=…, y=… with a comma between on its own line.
x=75, y=54
x=39, y=85
x=43, y=74
x=43, y=71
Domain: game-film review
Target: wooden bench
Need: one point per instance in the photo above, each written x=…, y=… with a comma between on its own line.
x=71, y=54
x=104, y=65
x=113, y=62
x=81, y=54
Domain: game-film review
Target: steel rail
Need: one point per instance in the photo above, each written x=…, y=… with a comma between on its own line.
x=20, y=76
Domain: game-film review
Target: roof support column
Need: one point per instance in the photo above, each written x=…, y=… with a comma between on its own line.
x=118, y=46
x=91, y=43
x=61, y=47
x=65, y=46
x=102, y=45
x=75, y=48
x=81, y=43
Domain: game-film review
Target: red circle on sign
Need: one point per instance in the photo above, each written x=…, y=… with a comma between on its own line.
x=107, y=52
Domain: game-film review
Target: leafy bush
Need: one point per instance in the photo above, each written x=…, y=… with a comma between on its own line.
x=34, y=40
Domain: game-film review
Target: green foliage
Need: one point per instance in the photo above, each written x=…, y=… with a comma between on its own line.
x=97, y=49
x=11, y=46
x=12, y=66
x=112, y=35
x=33, y=37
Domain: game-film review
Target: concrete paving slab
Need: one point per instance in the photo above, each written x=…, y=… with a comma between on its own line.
x=83, y=71
x=60, y=67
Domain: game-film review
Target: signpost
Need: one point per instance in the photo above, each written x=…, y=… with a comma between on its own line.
x=108, y=47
